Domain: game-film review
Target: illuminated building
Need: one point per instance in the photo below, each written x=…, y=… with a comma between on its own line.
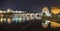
x=46, y=11
x=10, y=16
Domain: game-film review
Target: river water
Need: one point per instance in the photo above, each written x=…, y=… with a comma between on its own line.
x=32, y=25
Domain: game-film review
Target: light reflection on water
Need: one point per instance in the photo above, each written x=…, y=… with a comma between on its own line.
x=14, y=21
x=32, y=26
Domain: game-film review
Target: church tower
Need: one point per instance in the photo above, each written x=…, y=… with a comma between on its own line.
x=46, y=11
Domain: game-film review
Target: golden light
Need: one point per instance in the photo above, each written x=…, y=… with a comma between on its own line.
x=55, y=25
x=9, y=10
x=9, y=20
x=1, y=11
x=55, y=10
x=1, y=20
x=45, y=9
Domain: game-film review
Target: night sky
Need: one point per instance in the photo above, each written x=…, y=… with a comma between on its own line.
x=28, y=5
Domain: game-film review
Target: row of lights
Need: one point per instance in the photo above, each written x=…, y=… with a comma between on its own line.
x=21, y=18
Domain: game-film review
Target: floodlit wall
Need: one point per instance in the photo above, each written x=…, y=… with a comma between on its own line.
x=55, y=10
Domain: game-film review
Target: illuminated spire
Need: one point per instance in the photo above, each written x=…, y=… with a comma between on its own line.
x=45, y=9
x=9, y=10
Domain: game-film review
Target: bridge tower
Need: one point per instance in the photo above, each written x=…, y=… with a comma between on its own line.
x=46, y=11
